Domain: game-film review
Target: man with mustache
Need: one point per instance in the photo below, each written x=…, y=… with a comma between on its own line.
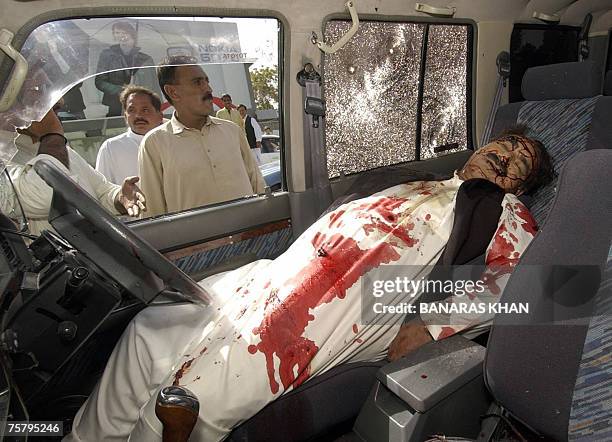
x=229, y=114
x=118, y=156
x=194, y=159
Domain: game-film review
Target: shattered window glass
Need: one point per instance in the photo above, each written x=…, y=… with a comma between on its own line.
x=444, y=127
x=371, y=88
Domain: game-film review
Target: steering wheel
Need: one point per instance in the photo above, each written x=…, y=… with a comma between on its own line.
x=68, y=196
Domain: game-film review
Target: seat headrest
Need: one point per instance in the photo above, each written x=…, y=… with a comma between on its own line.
x=607, y=89
x=563, y=80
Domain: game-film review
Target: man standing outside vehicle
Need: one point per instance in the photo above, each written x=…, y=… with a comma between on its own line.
x=252, y=129
x=118, y=156
x=228, y=113
x=194, y=159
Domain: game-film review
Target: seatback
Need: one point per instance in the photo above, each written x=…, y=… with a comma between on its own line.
x=607, y=88
x=533, y=361
x=565, y=111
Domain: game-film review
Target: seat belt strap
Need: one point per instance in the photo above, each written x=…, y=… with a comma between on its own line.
x=583, y=37
x=314, y=145
x=503, y=73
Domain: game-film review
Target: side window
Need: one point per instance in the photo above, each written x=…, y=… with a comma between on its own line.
x=396, y=92
x=446, y=115
x=538, y=45
x=88, y=62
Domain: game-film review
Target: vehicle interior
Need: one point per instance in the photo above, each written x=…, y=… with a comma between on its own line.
x=352, y=98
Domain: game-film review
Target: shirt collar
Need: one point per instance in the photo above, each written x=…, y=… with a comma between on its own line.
x=133, y=135
x=178, y=127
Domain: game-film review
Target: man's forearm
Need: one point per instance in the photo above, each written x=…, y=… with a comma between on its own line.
x=54, y=144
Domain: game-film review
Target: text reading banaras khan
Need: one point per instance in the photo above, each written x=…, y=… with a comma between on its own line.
x=448, y=308
x=465, y=298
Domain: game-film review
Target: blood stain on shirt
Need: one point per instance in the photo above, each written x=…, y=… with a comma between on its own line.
x=182, y=371
x=501, y=248
x=446, y=332
x=241, y=313
x=335, y=216
x=491, y=276
x=529, y=225
x=324, y=279
x=384, y=207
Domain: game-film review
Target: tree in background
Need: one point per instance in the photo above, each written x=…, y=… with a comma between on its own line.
x=265, y=87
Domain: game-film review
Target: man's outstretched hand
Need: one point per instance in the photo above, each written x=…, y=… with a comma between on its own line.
x=130, y=199
x=411, y=336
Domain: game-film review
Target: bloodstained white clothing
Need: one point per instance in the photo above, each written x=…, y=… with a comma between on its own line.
x=274, y=324
x=118, y=157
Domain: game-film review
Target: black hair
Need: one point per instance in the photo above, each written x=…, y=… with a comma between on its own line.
x=126, y=26
x=166, y=71
x=133, y=89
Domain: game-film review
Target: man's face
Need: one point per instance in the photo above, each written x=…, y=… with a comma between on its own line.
x=242, y=111
x=191, y=93
x=227, y=102
x=140, y=114
x=507, y=162
x=124, y=38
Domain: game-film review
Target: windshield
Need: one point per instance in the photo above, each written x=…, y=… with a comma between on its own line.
x=65, y=56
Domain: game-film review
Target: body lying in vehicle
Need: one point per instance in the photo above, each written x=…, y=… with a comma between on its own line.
x=371, y=112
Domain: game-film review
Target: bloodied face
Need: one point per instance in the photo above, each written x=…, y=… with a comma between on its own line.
x=509, y=162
